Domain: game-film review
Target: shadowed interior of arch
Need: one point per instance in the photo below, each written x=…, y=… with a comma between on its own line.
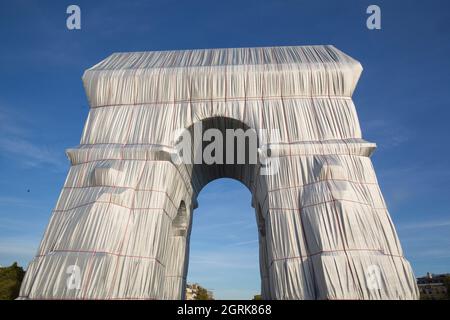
x=243, y=171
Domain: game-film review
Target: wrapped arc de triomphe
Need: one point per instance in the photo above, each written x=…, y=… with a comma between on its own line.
x=122, y=223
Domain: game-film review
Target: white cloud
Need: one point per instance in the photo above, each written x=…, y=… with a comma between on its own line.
x=210, y=226
x=5, y=200
x=226, y=258
x=404, y=183
x=437, y=253
x=424, y=225
x=16, y=144
x=29, y=154
x=243, y=243
x=387, y=133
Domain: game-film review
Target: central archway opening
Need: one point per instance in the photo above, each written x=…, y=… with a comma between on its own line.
x=224, y=248
x=225, y=237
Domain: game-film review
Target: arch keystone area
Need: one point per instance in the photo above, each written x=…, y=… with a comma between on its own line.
x=124, y=215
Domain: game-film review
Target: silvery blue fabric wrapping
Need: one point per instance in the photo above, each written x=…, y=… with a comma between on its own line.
x=123, y=218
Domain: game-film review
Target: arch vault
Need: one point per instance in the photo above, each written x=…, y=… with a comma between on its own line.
x=121, y=226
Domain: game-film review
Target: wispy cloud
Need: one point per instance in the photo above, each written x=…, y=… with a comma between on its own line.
x=388, y=134
x=426, y=244
x=431, y=253
x=22, y=225
x=226, y=258
x=6, y=200
x=16, y=144
x=243, y=243
x=211, y=226
x=424, y=225
x=29, y=154
x=401, y=183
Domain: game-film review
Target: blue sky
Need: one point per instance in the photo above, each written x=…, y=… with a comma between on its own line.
x=402, y=99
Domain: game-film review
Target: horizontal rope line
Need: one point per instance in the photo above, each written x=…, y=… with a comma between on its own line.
x=124, y=187
x=327, y=201
x=316, y=154
x=122, y=145
x=60, y=299
x=319, y=181
x=182, y=277
x=226, y=99
x=269, y=191
x=312, y=183
x=153, y=258
x=94, y=252
x=275, y=66
x=338, y=250
x=106, y=202
x=274, y=157
x=145, y=160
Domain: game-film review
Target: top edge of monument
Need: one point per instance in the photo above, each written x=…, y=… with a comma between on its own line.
x=222, y=57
